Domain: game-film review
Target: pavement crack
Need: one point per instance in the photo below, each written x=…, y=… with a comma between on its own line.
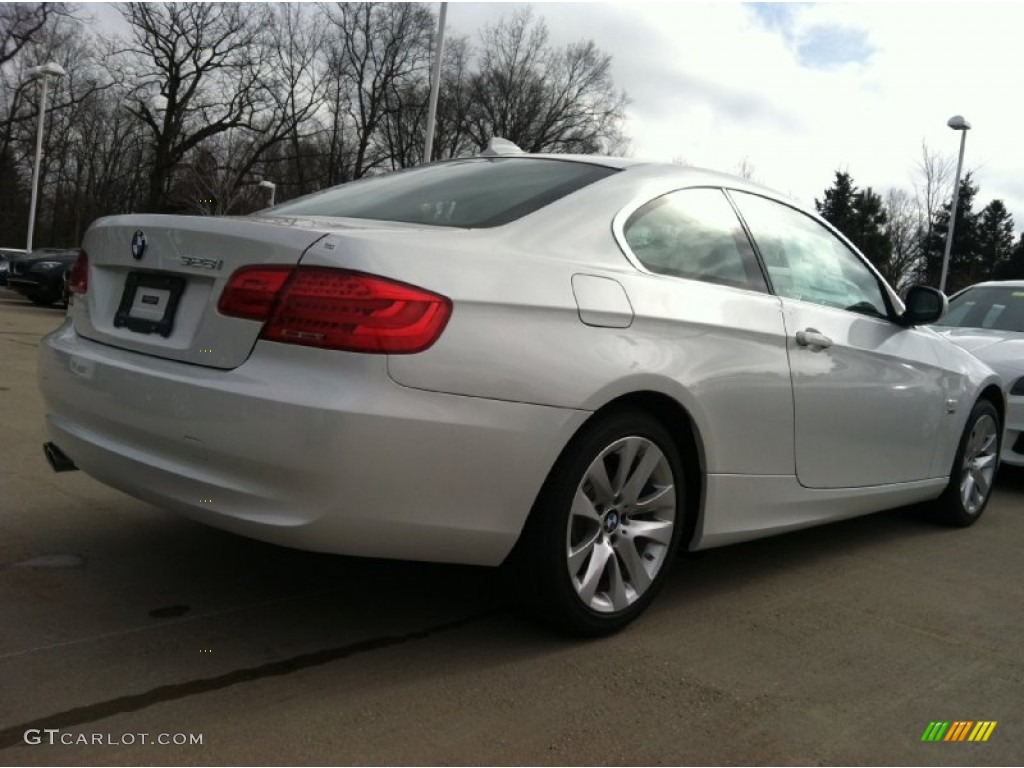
x=14, y=735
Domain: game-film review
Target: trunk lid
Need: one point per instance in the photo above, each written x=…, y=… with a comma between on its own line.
x=154, y=282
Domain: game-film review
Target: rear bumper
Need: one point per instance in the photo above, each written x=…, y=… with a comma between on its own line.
x=306, y=448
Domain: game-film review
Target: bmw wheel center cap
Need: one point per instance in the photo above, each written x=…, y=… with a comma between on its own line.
x=138, y=244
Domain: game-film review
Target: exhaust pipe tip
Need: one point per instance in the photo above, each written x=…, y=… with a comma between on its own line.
x=57, y=458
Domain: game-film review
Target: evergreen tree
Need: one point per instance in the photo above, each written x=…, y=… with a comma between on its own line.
x=1013, y=268
x=964, y=253
x=869, y=232
x=837, y=208
x=861, y=216
x=995, y=241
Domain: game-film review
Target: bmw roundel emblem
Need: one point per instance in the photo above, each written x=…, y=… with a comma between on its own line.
x=138, y=244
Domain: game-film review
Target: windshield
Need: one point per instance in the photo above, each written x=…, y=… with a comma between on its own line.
x=999, y=308
x=476, y=192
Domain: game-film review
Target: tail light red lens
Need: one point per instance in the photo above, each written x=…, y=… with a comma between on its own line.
x=251, y=291
x=78, y=280
x=337, y=309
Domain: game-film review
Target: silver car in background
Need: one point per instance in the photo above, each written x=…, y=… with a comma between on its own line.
x=987, y=320
x=570, y=365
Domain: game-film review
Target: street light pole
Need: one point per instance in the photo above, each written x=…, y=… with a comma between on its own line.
x=42, y=72
x=957, y=123
x=272, y=187
x=435, y=85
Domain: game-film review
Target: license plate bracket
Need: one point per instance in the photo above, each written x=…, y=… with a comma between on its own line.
x=149, y=303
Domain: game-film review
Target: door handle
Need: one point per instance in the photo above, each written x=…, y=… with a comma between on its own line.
x=812, y=337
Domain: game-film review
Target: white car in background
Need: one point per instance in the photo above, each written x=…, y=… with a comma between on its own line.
x=572, y=365
x=987, y=319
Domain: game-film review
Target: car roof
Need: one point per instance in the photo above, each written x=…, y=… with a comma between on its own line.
x=687, y=174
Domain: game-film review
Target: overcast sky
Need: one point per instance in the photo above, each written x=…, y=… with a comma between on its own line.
x=804, y=89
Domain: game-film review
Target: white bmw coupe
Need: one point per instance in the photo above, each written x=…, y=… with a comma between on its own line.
x=570, y=365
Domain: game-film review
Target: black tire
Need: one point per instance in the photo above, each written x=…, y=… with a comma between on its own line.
x=625, y=535
x=950, y=508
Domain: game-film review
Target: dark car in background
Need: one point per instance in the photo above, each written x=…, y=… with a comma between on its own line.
x=6, y=254
x=41, y=276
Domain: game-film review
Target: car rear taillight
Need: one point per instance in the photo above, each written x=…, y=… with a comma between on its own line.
x=336, y=309
x=78, y=280
x=251, y=291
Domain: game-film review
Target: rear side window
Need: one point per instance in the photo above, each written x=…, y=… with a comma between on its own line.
x=694, y=233
x=471, y=193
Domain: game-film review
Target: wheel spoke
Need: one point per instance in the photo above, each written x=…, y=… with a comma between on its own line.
x=979, y=462
x=638, y=575
x=578, y=555
x=967, y=489
x=980, y=483
x=985, y=462
x=655, y=530
x=602, y=485
x=972, y=445
x=584, y=507
x=650, y=460
x=662, y=498
x=627, y=455
x=617, y=586
x=595, y=569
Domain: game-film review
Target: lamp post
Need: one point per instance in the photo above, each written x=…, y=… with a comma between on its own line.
x=43, y=73
x=957, y=123
x=435, y=85
x=272, y=187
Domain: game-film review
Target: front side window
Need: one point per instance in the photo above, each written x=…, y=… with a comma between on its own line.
x=694, y=233
x=806, y=261
x=999, y=308
x=470, y=193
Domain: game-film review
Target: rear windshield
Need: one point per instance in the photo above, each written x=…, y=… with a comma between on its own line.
x=477, y=192
x=995, y=307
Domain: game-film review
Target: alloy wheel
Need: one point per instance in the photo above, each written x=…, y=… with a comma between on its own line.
x=979, y=464
x=621, y=524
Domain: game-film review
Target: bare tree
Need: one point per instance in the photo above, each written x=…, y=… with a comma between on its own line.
x=745, y=169
x=197, y=102
x=452, y=137
x=197, y=69
x=21, y=23
x=65, y=196
x=24, y=28
x=217, y=180
x=383, y=49
x=542, y=98
x=933, y=183
x=904, y=231
x=300, y=86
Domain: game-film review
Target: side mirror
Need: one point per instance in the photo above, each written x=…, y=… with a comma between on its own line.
x=924, y=306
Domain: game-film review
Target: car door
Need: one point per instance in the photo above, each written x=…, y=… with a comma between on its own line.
x=868, y=393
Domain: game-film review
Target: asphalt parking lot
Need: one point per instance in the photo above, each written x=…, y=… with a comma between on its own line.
x=836, y=645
